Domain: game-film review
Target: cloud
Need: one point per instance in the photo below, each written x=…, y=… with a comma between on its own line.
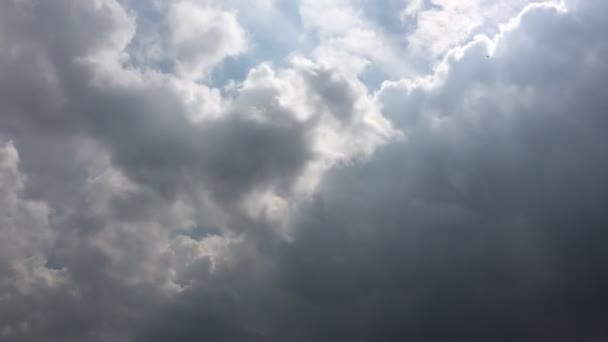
x=484, y=224
x=443, y=24
x=201, y=37
x=143, y=201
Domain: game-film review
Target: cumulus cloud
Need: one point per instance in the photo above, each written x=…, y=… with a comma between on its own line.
x=443, y=24
x=144, y=200
x=201, y=37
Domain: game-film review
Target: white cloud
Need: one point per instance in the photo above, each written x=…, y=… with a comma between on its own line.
x=200, y=37
x=444, y=24
x=24, y=225
x=347, y=38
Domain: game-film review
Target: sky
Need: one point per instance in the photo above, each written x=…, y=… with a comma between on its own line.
x=303, y=170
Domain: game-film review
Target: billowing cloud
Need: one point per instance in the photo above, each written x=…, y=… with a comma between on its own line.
x=443, y=24
x=200, y=37
x=147, y=195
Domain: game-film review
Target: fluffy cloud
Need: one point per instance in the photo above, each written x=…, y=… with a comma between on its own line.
x=443, y=24
x=201, y=37
x=144, y=201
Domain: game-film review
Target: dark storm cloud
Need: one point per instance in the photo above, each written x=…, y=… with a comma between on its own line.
x=486, y=222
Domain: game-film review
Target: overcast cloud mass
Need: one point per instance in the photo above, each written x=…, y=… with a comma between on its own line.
x=310, y=170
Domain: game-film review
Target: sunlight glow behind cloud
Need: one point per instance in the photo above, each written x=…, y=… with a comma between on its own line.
x=202, y=170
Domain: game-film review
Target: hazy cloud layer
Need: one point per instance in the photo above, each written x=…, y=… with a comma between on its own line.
x=182, y=170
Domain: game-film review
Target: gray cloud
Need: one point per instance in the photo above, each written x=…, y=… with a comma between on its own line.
x=487, y=223
x=138, y=205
